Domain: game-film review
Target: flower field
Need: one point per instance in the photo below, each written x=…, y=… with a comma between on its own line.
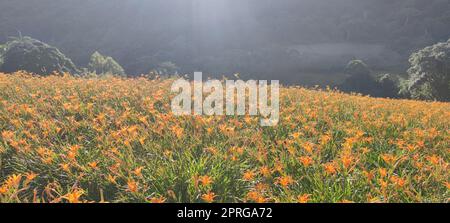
x=68, y=139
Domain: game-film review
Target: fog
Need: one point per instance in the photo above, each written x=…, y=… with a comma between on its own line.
x=286, y=40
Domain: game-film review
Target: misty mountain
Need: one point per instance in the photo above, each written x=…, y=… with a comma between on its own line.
x=255, y=37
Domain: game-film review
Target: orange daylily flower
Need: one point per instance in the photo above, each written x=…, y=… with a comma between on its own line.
x=303, y=198
x=74, y=196
x=205, y=180
x=209, y=197
x=249, y=175
x=306, y=161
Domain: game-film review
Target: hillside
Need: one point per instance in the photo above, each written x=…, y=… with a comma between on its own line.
x=68, y=139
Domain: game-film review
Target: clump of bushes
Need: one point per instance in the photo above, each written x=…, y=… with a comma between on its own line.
x=34, y=56
x=167, y=68
x=387, y=86
x=2, y=51
x=429, y=75
x=361, y=80
x=28, y=54
x=101, y=64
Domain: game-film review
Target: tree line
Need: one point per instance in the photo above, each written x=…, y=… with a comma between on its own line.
x=427, y=78
x=222, y=37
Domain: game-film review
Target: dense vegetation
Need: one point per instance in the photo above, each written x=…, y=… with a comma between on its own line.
x=25, y=53
x=100, y=64
x=68, y=139
x=362, y=80
x=78, y=123
x=306, y=42
x=34, y=56
x=429, y=75
x=259, y=38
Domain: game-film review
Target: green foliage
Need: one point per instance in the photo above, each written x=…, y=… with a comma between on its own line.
x=28, y=54
x=2, y=51
x=362, y=81
x=230, y=44
x=429, y=75
x=387, y=86
x=167, y=68
x=357, y=67
x=100, y=64
x=359, y=80
x=403, y=86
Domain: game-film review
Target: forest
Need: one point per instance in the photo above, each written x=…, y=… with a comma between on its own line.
x=283, y=39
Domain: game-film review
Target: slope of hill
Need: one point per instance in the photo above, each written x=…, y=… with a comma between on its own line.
x=67, y=139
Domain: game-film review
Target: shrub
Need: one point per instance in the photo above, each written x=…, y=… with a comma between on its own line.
x=167, y=68
x=387, y=86
x=357, y=68
x=362, y=81
x=100, y=64
x=28, y=54
x=359, y=80
x=2, y=51
x=429, y=75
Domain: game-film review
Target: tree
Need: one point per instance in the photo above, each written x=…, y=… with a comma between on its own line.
x=362, y=81
x=167, y=68
x=2, y=51
x=387, y=86
x=359, y=80
x=28, y=54
x=104, y=65
x=429, y=74
x=357, y=67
